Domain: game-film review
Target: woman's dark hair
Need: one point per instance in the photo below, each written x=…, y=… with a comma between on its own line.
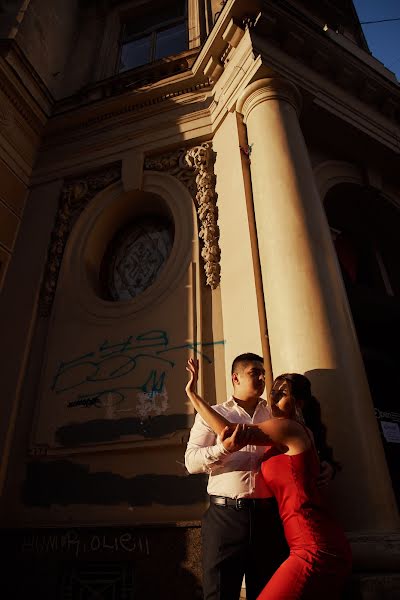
x=299, y=387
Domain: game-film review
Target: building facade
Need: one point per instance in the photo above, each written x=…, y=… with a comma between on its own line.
x=179, y=178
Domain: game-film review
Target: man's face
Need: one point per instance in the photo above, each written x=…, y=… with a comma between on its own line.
x=249, y=380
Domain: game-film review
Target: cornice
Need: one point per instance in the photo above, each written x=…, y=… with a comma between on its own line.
x=106, y=111
x=23, y=86
x=340, y=76
x=131, y=93
x=149, y=78
x=251, y=39
x=363, y=111
x=331, y=57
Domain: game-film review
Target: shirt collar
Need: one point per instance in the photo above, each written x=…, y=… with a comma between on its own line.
x=231, y=402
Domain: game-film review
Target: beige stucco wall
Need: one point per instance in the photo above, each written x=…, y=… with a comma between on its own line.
x=145, y=121
x=181, y=317
x=46, y=36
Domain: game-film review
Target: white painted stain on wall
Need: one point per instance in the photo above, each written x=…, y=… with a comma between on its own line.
x=151, y=403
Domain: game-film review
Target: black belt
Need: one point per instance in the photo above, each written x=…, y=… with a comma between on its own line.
x=242, y=502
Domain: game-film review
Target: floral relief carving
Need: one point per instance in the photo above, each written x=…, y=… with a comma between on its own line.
x=75, y=195
x=194, y=167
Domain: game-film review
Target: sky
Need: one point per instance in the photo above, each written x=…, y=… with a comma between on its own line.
x=383, y=38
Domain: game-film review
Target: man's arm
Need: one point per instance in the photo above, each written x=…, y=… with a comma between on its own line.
x=204, y=452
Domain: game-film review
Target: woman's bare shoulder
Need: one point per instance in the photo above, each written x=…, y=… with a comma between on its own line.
x=288, y=427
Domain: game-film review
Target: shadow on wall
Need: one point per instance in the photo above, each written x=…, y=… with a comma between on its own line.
x=63, y=482
x=100, y=430
x=385, y=405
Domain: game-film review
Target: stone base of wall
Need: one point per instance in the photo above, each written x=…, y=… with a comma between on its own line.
x=376, y=567
x=373, y=586
x=150, y=562
x=128, y=563
x=367, y=586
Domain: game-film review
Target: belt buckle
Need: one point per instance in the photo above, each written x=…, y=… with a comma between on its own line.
x=240, y=503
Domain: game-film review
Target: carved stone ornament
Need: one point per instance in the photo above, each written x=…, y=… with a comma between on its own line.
x=75, y=195
x=194, y=167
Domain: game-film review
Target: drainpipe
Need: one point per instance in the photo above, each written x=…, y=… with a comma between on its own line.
x=262, y=315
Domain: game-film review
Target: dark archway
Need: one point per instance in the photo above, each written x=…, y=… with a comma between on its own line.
x=366, y=229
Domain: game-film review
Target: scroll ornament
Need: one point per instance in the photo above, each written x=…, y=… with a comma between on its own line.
x=75, y=195
x=194, y=168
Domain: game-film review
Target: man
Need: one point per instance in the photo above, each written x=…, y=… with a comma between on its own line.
x=242, y=534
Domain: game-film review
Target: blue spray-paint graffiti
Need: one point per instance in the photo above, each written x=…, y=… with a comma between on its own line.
x=113, y=361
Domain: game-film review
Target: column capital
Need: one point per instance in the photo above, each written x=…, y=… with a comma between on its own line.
x=274, y=88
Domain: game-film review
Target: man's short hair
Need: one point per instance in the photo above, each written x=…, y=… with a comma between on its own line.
x=243, y=359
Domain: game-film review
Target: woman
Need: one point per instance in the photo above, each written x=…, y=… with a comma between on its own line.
x=320, y=558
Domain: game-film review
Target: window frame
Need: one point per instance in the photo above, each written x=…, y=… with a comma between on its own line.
x=152, y=31
x=108, y=61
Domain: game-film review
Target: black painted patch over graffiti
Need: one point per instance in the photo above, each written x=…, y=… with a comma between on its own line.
x=106, y=430
x=64, y=482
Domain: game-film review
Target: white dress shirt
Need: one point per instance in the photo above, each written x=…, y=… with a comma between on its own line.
x=231, y=474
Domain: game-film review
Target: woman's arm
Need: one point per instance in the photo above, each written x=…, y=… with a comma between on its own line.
x=217, y=422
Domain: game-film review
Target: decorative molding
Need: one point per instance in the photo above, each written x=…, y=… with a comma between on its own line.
x=250, y=21
x=21, y=108
x=194, y=167
x=23, y=87
x=75, y=195
x=330, y=55
x=233, y=34
x=147, y=100
x=262, y=90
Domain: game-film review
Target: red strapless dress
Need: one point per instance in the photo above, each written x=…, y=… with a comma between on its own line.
x=320, y=556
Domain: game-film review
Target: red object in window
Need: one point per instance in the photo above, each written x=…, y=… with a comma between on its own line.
x=347, y=255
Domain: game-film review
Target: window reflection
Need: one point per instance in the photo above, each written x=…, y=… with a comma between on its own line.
x=136, y=53
x=170, y=41
x=153, y=35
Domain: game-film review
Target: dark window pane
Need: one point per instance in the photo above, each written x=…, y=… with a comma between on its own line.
x=151, y=20
x=135, y=53
x=171, y=41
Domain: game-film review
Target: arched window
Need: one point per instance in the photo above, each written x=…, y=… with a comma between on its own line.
x=135, y=257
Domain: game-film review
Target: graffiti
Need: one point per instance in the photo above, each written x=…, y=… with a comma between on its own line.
x=103, y=399
x=111, y=361
x=38, y=451
x=79, y=372
x=74, y=542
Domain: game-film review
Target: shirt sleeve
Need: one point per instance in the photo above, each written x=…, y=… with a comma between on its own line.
x=204, y=451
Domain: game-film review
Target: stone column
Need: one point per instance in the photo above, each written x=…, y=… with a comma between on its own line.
x=309, y=321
